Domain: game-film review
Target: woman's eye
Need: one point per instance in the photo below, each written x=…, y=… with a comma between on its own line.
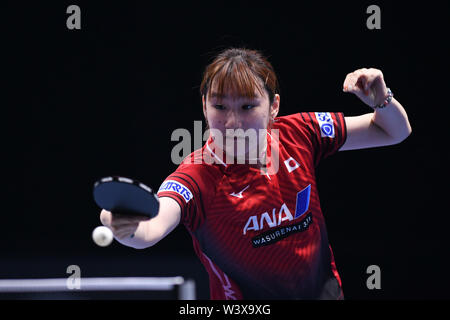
x=248, y=107
x=219, y=107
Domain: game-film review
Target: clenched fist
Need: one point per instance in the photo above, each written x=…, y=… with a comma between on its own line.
x=368, y=85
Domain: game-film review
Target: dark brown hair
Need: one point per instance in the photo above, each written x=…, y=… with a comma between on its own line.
x=240, y=71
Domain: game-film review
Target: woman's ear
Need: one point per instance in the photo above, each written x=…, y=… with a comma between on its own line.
x=204, y=106
x=204, y=111
x=275, y=107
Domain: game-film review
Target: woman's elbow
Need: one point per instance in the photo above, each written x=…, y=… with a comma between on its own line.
x=405, y=135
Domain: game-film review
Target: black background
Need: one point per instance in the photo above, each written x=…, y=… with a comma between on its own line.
x=82, y=104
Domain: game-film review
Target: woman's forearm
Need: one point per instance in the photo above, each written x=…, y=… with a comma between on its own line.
x=145, y=236
x=393, y=120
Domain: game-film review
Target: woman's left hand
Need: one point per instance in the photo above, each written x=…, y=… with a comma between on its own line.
x=368, y=85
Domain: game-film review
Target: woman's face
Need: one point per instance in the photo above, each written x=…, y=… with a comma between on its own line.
x=228, y=113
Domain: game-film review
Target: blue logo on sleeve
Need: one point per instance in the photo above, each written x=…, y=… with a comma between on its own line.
x=326, y=124
x=175, y=186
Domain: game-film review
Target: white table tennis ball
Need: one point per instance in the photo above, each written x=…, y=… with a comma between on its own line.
x=102, y=236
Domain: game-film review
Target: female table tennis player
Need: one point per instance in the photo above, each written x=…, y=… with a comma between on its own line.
x=261, y=233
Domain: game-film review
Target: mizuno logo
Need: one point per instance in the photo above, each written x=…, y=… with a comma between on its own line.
x=239, y=194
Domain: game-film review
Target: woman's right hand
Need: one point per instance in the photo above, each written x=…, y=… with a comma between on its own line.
x=147, y=233
x=122, y=226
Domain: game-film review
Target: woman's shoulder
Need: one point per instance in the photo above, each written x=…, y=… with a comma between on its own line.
x=299, y=118
x=199, y=167
x=293, y=126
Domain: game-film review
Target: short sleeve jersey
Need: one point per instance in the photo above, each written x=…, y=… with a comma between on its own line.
x=263, y=236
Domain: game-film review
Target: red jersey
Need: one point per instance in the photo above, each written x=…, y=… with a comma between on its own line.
x=263, y=236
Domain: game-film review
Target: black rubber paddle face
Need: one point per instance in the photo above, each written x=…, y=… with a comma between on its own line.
x=125, y=196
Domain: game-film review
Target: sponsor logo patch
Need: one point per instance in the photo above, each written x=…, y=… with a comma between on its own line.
x=275, y=235
x=326, y=124
x=265, y=220
x=175, y=186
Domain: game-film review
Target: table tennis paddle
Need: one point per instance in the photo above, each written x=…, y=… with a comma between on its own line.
x=122, y=195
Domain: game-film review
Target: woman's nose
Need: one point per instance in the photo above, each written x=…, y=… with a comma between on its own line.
x=233, y=121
